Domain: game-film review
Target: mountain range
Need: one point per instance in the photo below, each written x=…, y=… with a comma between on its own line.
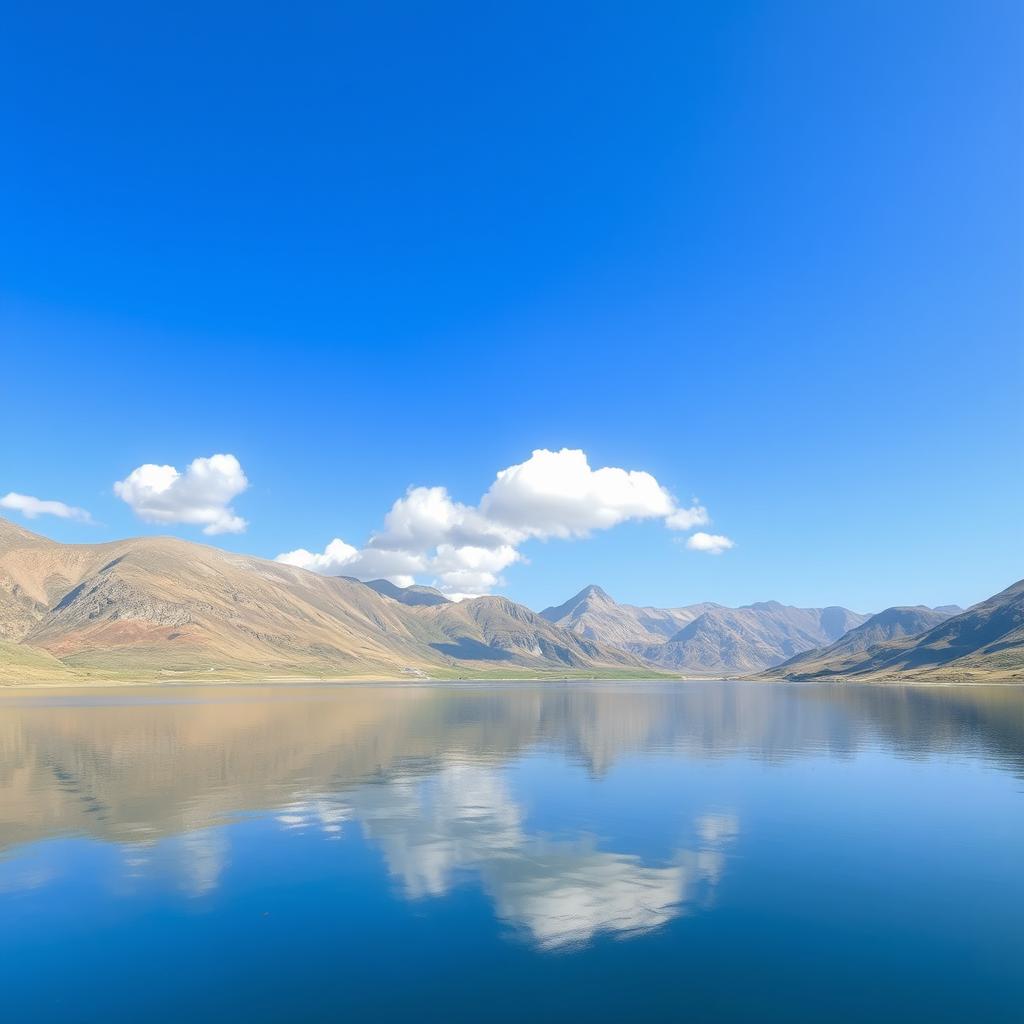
x=984, y=642
x=158, y=607
x=704, y=639
x=892, y=624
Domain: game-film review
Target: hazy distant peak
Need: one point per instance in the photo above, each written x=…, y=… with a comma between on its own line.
x=837, y=621
x=898, y=612
x=412, y=595
x=706, y=638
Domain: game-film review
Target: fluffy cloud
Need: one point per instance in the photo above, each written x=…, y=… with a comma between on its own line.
x=341, y=559
x=711, y=543
x=32, y=508
x=463, y=549
x=557, y=494
x=335, y=557
x=200, y=496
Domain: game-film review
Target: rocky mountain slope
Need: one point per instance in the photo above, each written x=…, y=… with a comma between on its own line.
x=891, y=624
x=740, y=640
x=593, y=614
x=157, y=606
x=704, y=639
x=984, y=642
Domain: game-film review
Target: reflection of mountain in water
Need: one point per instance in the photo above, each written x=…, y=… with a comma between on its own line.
x=141, y=766
x=420, y=771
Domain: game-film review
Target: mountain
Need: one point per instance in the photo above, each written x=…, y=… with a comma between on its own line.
x=159, y=607
x=741, y=640
x=705, y=639
x=593, y=614
x=985, y=642
x=891, y=624
x=404, y=595
x=498, y=628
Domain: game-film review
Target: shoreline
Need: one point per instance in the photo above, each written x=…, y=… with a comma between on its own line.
x=11, y=687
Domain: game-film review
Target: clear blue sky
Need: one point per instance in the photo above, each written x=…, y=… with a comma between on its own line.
x=772, y=254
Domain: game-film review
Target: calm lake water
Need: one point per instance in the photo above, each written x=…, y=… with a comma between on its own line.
x=497, y=852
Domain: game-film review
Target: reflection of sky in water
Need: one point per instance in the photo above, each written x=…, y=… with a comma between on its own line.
x=313, y=838
x=462, y=818
x=435, y=830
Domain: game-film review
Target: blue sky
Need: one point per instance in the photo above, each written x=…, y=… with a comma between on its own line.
x=770, y=254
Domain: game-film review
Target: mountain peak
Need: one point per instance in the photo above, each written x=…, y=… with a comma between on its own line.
x=590, y=597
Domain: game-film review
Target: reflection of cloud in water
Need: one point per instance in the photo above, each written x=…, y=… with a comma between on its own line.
x=325, y=812
x=566, y=893
x=136, y=859
x=24, y=877
x=459, y=818
x=717, y=828
x=135, y=769
x=201, y=859
x=161, y=776
x=561, y=892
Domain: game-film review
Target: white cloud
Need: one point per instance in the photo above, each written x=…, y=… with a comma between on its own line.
x=427, y=516
x=334, y=558
x=200, y=496
x=341, y=559
x=557, y=494
x=470, y=570
x=711, y=543
x=688, y=518
x=463, y=549
x=32, y=508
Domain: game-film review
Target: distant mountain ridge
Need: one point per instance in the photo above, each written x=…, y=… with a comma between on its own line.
x=892, y=624
x=592, y=613
x=413, y=595
x=742, y=640
x=984, y=642
x=704, y=639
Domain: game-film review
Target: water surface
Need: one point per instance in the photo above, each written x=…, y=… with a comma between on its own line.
x=495, y=852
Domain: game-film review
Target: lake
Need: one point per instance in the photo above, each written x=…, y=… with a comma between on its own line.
x=700, y=851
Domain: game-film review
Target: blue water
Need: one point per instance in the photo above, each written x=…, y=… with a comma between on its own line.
x=704, y=851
